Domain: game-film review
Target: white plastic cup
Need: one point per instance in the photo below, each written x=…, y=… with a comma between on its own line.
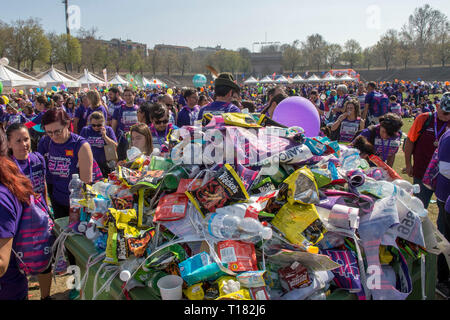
x=170, y=287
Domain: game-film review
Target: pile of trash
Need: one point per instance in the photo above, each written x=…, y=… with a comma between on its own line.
x=302, y=219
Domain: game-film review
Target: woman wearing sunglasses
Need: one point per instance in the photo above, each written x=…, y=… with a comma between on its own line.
x=98, y=135
x=66, y=153
x=160, y=127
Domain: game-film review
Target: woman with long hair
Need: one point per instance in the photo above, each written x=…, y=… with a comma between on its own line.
x=31, y=165
x=15, y=191
x=141, y=138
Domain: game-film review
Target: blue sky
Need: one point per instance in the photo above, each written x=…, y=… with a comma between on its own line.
x=230, y=23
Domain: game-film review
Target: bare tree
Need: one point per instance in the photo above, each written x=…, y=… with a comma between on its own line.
x=352, y=52
x=387, y=45
x=333, y=54
x=315, y=50
x=422, y=26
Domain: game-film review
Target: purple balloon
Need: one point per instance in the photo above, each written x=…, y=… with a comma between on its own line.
x=62, y=87
x=298, y=112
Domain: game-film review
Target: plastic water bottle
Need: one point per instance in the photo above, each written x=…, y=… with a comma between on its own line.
x=76, y=195
x=227, y=226
x=414, y=204
x=350, y=159
x=128, y=267
x=380, y=189
x=133, y=153
x=407, y=186
x=105, y=189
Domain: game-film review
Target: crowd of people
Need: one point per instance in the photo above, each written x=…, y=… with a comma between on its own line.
x=44, y=139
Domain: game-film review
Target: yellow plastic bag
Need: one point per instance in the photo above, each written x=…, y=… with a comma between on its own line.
x=240, y=120
x=195, y=292
x=300, y=224
x=242, y=294
x=300, y=187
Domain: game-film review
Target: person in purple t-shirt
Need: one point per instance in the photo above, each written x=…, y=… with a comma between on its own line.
x=114, y=102
x=95, y=104
x=32, y=165
x=126, y=116
x=80, y=118
x=189, y=113
x=443, y=197
x=15, y=189
x=98, y=135
x=225, y=87
x=386, y=137
x=66, y=153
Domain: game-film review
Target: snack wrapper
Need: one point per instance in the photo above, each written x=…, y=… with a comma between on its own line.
x=240, y=120
x=300, y=224
x=224, y=189
x=195, y=292
x=242, y=294
x=300, y=187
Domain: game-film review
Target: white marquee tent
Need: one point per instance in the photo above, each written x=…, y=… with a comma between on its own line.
x=11, y=78
x=152, y=83
x=251, y=80
x=90, y=79
x=54, y=77
x=346, y=77
x=298, y=79
x=266, y=79
x=313, y=78
x=281, y=79
x=118, y=80
x=329, y=77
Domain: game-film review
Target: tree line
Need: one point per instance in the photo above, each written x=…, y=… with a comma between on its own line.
x=422, y=40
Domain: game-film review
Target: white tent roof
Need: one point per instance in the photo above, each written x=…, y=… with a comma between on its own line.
x=118, y=80
x=89, y=78
x=298, y=78
x=251, y=80
x=281, y=79
x=54, y=77
x=346, y=77
x=313, y=78
x=154, y=82
x=11, y=77
x=329, y=77
x=266, y=79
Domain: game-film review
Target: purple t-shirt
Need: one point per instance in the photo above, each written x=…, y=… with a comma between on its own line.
x=15, y=118
x=97, y=142
x=395, y=108
x=126, y=116
x=187, y=116
x=34, y=168
x=62, y=162
x=100, y=108
x=384, y=148
x=81, y=114
x=113, y=106
x=13, y=284
x=218, y=108
x=442, y=183
x=348, y=130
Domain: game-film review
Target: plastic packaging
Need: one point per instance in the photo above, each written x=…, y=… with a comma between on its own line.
x=407, y=186
x=76, y=195
x=350, y=159
x=232, y=226
x=105, y=189
x=128, y=267
x=133, y=153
